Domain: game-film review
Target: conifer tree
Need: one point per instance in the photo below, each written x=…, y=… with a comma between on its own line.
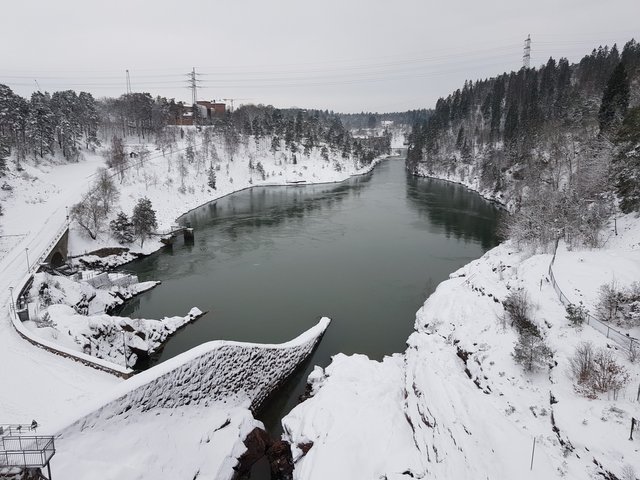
x=615, y=100
x=211, y=177
x=144, y=219
x=122, y=228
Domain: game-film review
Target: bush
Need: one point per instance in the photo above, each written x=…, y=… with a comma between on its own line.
x=619, y=305
x=581, y=364
x=576, y=314
x=608, y=374
x=597, y=370
x=517, y=308
x=608, y=302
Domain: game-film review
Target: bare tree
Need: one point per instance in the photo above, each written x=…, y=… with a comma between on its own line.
x=581, y=363
x=106, y=190
x=89, y=214
x=116, y=156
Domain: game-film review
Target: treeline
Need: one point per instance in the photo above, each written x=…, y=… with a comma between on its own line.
x=355, y=121
x=300, y=131
x=64, y=121
x=549, y=140
x=67, y=122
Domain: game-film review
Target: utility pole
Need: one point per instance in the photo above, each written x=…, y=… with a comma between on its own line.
x=526, y=57
x=193, y=85
x=128, y=83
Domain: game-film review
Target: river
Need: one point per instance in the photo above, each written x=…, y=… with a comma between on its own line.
x=268, y=262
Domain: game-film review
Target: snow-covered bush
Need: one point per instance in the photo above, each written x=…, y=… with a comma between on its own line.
x=517, y=307
x=576, y=314
x=619, y=305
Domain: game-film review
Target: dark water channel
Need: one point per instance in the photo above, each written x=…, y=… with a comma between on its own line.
x=268, y=262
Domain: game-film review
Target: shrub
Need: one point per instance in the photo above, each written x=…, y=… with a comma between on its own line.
x=619, y=305
x=608, y=374
x=517, y=308
x=581, y=364
x=608, y=302
x=576, y=314
x=597, y=371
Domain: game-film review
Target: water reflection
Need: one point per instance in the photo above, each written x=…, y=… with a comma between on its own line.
x=460, y=213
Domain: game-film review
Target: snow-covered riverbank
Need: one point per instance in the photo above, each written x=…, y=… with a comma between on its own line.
x=172, y=195
x=455, y=405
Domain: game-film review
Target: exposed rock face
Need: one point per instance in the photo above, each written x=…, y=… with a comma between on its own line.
x=257, y=443
x=280, y=460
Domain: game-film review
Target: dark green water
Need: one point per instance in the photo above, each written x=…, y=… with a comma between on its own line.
x=268, y=262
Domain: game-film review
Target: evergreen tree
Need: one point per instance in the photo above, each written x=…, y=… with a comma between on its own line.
x=626, y=165
x=615, y=100
x=40, y=124
x=144, y=219
x=122, y=228
x=211, y=177
x=5, y=151
x=531, y=352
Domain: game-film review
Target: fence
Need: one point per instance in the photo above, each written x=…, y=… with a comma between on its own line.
x=622, y=339
x=13, y=429
x=26, y=452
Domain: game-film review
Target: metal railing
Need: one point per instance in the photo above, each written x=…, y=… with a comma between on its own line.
x=12, y=429
x=26, y=451
x=622, y=339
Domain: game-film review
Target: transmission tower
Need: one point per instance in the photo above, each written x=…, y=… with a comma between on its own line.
x=128, y=83
x=193, y=84
x=526, y=57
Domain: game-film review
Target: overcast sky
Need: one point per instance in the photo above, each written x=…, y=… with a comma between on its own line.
x=344, y=55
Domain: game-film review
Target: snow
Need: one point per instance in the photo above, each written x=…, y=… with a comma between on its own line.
x=184, y=442
x=71, y=312
x=35, y=210
x=455, y=404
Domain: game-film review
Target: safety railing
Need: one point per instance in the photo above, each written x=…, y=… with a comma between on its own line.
x=12, y=429
x=622, y=339
x=26, y=452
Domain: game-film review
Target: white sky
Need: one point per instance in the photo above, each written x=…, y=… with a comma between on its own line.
x=344, y=55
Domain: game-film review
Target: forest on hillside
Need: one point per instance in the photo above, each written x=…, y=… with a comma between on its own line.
x=67, y=123
x=558, y=144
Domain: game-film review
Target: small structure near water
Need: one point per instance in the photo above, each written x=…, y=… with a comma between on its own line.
x=169, y=236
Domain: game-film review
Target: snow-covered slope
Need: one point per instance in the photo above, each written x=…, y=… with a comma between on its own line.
x=455, y=405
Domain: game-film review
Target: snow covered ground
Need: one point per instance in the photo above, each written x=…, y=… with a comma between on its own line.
x=184, y=442
x=34, y=384
x=455, y=405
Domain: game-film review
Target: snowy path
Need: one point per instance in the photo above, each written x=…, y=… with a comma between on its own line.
x=33, y=382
